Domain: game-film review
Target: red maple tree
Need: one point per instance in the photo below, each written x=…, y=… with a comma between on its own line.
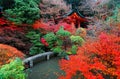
x=95, y=59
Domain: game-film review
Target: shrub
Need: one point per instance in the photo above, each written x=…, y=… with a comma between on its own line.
x=74, y=49
x=14, y=36
x=94, y=60
x=57, y=49
x=51, y=38
x=65, y=43
x=77, y=40
x=8, y=52
x=62, y=36
x=38, y=43
x=44, y=42
x=62, y=32
x=81, y=32
x=58, y=42
x=13, y=70
x=115, y=18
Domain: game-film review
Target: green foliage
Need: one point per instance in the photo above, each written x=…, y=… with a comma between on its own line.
x=74, y=49
x=14, y=70
x=77, y=40
x=116, y=13
x=24, y=11
x=37, y=46
x=115, y=17
x=61, y=46
x=57, y=42
x=37, y=1
x=33, y=35
x=36, y=49
x=50, y=38
x=62, y=32
x=57, y=49
x=63, y=54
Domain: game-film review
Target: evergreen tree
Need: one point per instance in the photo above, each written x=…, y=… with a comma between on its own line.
x=24, y=11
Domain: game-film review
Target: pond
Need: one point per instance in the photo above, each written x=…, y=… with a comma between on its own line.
x=45, y=70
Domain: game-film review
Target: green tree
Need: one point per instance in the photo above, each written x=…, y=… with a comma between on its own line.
x=24, y=11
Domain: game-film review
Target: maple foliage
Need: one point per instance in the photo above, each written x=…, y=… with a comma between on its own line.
x=70, y=23
x=8, y=53
x=2, y=21
x=14, y=35
x=44, y=42
x=39, y=24
x=48, y=27
x=43, y=27
x=6, y=24
x=95, y=59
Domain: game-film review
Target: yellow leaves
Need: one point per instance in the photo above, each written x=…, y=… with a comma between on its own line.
x=110, y=71
x=81, y=32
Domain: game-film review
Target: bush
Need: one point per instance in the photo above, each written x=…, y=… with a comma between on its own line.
x=7, y=53
x=62, y=32
x=115, y=18
x=58, y=42
x=50, y=38
x=94, y=60
x=38, y=43
x=13, y=70
x=77, y=40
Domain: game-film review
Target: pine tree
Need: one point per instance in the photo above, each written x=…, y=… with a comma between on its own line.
x=24, y=11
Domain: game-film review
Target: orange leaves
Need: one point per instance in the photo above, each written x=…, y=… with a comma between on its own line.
x=82, y=32
x=118, y=25
x=7, y=52
x=82, y=63
x=39, y=24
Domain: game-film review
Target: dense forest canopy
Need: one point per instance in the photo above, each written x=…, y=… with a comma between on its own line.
x=54, y=8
